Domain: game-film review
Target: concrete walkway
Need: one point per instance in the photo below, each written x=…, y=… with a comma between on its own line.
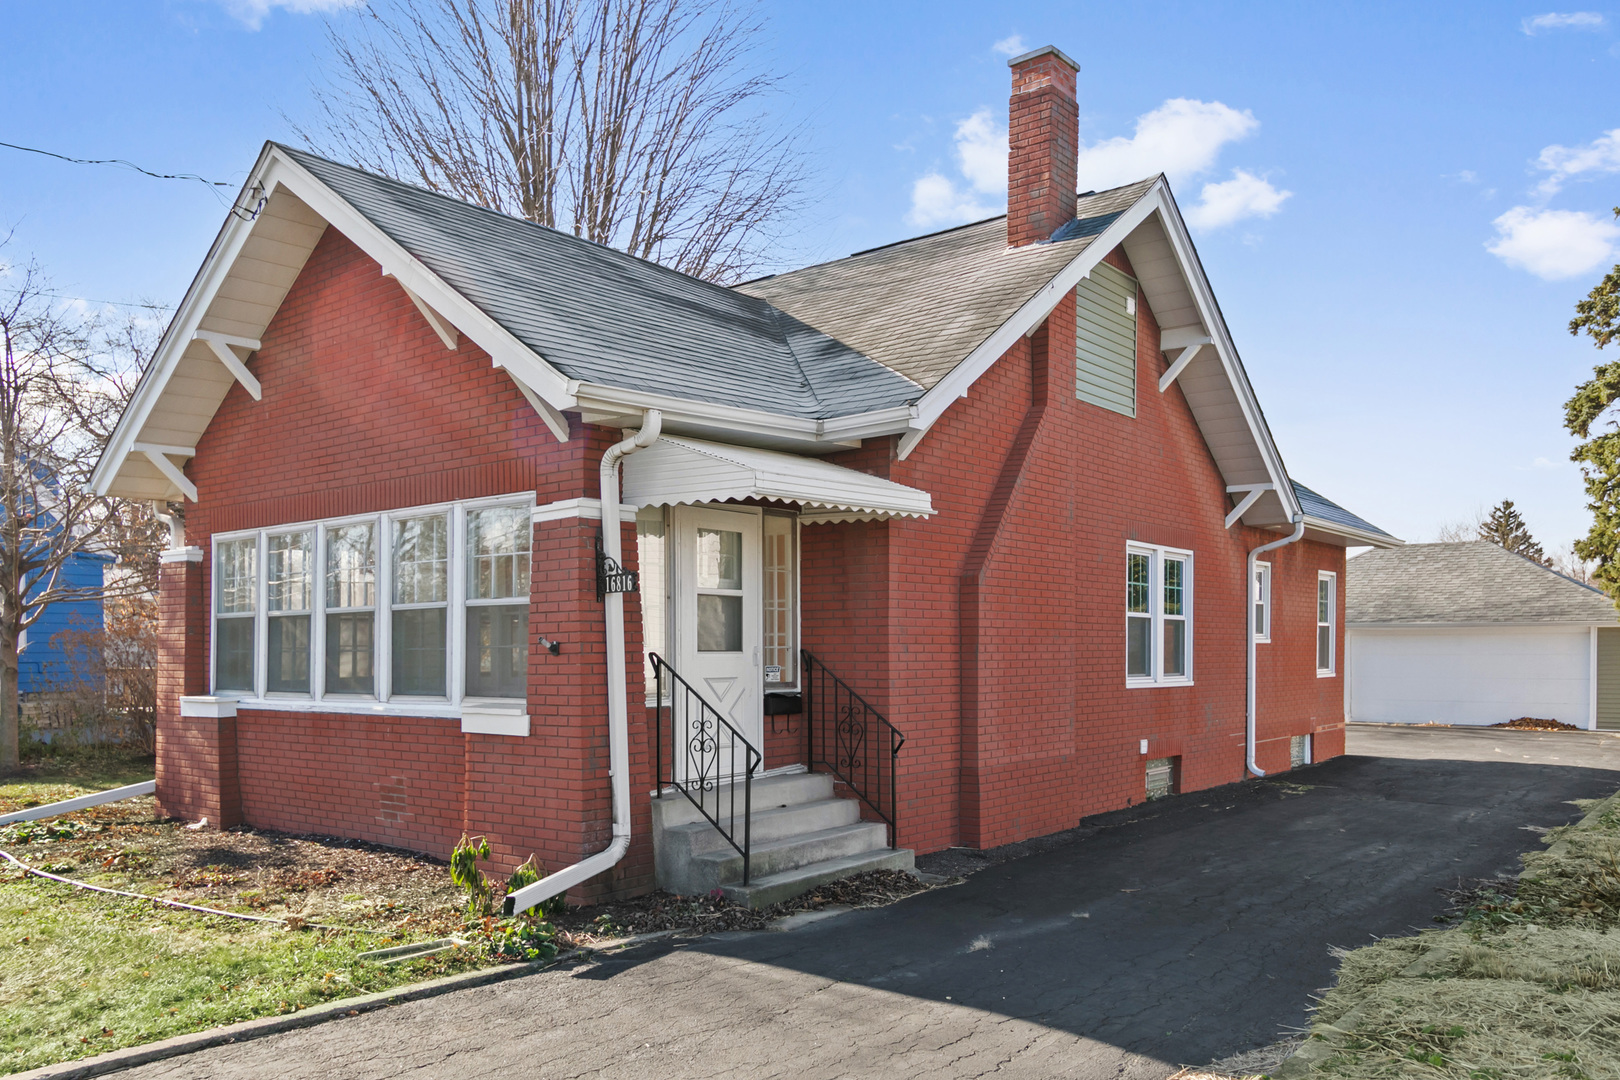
x=1176, y=933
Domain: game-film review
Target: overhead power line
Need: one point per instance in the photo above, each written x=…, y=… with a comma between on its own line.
x=119, y=162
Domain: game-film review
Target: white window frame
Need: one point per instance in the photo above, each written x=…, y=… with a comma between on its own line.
x=382, y=701
x=1156, y=559
x=1262, y=599
x=1332, y=624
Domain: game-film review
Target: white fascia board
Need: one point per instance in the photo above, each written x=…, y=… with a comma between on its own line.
x=182, y=328
x=1549, y=625
x=1209, y=313
x=505, y=350
x=823, y=434
x=1350, y=532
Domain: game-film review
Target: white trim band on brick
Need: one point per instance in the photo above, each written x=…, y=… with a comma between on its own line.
x=586, y=509
x=180, y=555
x=480, y=719
x=217, y=708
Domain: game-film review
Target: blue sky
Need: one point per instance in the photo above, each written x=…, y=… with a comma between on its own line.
x=1400, y=204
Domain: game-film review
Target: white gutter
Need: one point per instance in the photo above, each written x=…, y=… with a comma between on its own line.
x=618, y=704
x=1248, y=633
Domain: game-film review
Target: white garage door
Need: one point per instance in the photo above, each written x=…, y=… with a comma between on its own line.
x=1480, y=676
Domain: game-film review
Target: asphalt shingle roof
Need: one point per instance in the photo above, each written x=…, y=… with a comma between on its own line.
x=922, y=306
x=1325, y=509
x=607, y=318
x=1475, y=582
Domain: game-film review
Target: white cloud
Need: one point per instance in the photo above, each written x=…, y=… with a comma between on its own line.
x=1244, y=196
x=981, y=150
x=1010, y=46
x=1554, y=244
x=1601, y=155
x=1180, y=138
x=252, y=13
x=936, y=200
x=1568, y=20
x=981, y=155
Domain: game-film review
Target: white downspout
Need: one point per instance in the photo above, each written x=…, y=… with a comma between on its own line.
x=618, y=704
x=1248, y=633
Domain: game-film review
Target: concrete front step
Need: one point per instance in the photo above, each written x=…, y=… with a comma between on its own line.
x=764, y=890
x=725, y=866
x=697, y=837
x=768, y=793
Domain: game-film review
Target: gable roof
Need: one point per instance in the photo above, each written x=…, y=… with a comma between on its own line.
x=1475, y=583
x=579, y=326
x=920, y=306
x=601, y=316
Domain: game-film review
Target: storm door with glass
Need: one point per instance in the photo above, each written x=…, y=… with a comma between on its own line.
x=717, y=632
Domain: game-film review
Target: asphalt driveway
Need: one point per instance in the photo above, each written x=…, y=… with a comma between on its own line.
x=1177, y=933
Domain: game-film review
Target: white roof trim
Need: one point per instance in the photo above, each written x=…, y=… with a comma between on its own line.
x=1350, y=532
x=1157, y=199
x=274, y=170
x=674, y=471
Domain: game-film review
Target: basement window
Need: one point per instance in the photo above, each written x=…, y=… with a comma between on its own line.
x=1299, y=751
x=1163, y=777
x=426, y=605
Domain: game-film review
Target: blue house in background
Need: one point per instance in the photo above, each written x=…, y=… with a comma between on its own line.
x=41, y=663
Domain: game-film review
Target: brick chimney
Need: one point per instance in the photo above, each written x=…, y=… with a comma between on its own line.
x=1043, y=137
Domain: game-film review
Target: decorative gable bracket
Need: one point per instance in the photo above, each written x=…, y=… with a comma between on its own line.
x=1251, y=495
x=222, y=346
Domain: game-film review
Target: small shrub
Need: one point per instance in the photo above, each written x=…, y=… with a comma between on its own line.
x=464, y=871
x=520, y=938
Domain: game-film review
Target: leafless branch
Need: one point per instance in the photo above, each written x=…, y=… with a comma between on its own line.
x=640, y=124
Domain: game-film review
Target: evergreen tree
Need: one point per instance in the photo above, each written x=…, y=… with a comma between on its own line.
x=1505, y=528
x=1599, y=316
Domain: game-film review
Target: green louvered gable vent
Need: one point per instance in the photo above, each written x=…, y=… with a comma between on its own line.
x=1105, y=340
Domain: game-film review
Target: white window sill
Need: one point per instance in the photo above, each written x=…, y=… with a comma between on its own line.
x=1327, y=674
x=1149, y=684
x=1262, y=641
x=499, y=709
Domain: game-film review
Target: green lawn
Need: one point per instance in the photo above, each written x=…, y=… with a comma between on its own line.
x=83, y=973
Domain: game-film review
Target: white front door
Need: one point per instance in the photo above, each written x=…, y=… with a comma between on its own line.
x=717, y=628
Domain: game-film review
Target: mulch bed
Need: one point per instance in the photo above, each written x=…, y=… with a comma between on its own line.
x=1531, y=723
x=706, y=914
x=350, y=882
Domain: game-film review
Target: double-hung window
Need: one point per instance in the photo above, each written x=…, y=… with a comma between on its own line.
x=498, y=541
x=1327, y=596
x=1262, y=601
x=427, y=605
x=288, y=601
x=235, y=622
x=1158, y=616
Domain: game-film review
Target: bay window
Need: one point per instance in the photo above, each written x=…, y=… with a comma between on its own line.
x=1158, y=616
x=429, y=604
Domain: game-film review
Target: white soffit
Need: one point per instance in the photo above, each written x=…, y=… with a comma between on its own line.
x=674, y=471
x=237, y=292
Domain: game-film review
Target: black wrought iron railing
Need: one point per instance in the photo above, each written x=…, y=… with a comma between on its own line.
x=707, y=760
x=851, y=740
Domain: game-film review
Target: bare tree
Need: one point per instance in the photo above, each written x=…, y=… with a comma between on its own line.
x=1568, y=561
x=62, y=385
x=639, y=124
x=1461, y=531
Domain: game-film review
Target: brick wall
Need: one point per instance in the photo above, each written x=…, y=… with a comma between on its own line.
x=993, y=633
x=365, y=410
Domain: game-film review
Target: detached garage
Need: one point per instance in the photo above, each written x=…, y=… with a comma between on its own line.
x=1474, y=634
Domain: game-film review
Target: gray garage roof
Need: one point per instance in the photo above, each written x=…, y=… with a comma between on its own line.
x=922, y=306
x=1461, y=584
x=1325, y=510
x=607, y=318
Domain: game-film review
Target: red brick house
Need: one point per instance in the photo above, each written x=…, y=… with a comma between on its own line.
x=944, y=543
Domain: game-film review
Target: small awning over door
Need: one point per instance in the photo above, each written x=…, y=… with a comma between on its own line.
x=677, y=470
